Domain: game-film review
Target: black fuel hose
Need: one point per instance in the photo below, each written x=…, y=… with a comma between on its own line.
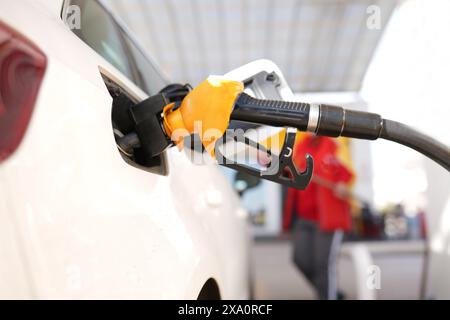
x=407, y=136
x=335, y=121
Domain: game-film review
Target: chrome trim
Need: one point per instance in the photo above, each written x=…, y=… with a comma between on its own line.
x=313, y=118
x=343, y=122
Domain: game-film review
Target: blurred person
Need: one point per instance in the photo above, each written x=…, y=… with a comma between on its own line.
x=320, y=214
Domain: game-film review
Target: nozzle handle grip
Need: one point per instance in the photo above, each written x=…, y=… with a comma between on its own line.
x=326, y=120
x=271, y=112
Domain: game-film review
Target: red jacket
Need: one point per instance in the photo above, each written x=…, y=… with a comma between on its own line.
x=316, y=202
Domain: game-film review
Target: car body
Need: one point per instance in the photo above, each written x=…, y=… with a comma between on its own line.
x=79, y=222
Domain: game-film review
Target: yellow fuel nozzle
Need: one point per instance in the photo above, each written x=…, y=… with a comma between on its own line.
x=205, y=111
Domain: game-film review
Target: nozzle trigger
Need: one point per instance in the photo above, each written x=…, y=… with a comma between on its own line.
x=281, y=168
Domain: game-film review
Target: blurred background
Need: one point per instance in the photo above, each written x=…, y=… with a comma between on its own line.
x=385, y=56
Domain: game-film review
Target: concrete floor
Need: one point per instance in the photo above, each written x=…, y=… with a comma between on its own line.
x=275, y=275
x=277, y=278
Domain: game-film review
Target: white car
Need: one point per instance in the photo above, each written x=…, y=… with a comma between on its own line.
x=78, y=219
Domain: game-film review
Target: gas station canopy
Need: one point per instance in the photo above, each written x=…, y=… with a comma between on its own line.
x=320, y=45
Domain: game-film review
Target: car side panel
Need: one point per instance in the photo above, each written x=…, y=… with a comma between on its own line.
x=92, y=226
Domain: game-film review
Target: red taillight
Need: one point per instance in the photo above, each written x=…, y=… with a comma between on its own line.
x=22, y=67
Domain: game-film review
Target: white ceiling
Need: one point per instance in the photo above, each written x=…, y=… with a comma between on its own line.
x=320, y=45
